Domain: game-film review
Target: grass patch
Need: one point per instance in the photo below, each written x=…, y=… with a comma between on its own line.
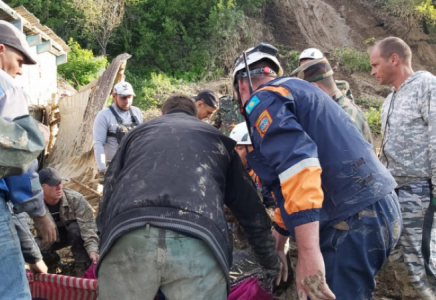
x=352, y=60
x=374, y=120
x=369, y=102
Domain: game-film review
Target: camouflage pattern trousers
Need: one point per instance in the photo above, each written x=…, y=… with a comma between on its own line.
x=414, y=257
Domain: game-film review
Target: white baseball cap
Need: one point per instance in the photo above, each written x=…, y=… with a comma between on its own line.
x=123, y=89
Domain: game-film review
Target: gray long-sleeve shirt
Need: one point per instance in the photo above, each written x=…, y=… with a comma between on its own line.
x=409, y=128
x=105, y=146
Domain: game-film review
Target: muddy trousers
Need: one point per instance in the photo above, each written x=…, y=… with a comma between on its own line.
x=13, y=280
x=414, y=258
x=354, y=250
x=149, y=258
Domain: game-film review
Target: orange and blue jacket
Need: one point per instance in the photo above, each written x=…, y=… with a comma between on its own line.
x=311, y=154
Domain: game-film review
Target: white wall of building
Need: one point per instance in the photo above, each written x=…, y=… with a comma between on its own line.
x=40, y=80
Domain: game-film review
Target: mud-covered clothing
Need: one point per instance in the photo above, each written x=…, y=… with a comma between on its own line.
x=176, y=172
x=105, y=146
x=181, y=267
x=355, y=249
x=414, y=257
x=320, y=136
x=75, y=208
x=356, y=115
x=297, y=131
x=21, y=142
x=409, y=130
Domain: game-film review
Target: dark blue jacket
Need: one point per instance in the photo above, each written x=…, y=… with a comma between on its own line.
x=312, y=155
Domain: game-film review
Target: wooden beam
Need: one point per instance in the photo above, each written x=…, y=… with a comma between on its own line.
x=43, y=47
x=18, y=23
x=61, y=59
x=34, y=40
x=7, y=9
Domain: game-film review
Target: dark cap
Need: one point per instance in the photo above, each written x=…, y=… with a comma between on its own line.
x=50, y=176
x=12, y=37
x=314, y=70
x=208, y=97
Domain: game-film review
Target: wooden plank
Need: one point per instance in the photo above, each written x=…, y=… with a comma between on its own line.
x=90, y=85
x=6, y=8
x=61, y=59
x=34, y=40
x=43, y=47
x=72, y=154
x=87, y=188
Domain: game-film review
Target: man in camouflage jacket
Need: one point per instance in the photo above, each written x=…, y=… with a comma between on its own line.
x=74, y=219
x=227, y=116
x=320, y=73
x=409, y=153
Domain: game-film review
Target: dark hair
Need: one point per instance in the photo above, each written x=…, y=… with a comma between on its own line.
x=179, y=102
x=391, y=45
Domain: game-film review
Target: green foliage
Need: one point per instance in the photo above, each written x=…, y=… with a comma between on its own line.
x=374, y=120
x=154, y=90
x=411, y=12
x=190, y=40
x=370, y=41
x=427, y=11
x=369, y=102
x=158, y=88
x=352, y=60
x=82, y=67
x=293, y=60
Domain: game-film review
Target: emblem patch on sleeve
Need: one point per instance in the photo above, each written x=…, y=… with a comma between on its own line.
x=263, y=122
x=252, y=104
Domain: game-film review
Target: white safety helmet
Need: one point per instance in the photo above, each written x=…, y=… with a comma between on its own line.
x=240, y=134
x=311, y=53
x=254, y=56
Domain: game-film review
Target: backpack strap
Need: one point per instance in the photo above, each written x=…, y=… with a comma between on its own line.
x=119, y=120
x=134, y=118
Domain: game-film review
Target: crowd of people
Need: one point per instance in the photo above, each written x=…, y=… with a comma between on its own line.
x=286, y=159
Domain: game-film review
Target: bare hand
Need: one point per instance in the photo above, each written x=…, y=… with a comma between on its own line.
x=47, y=229
x=282, y=275
x=94, y=256
x=310, y=277
x=39, y=267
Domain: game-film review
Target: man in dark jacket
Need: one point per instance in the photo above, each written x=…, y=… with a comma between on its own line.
x=161, y=221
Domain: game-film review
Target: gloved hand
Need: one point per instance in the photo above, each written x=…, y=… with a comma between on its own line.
x=101, y=176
